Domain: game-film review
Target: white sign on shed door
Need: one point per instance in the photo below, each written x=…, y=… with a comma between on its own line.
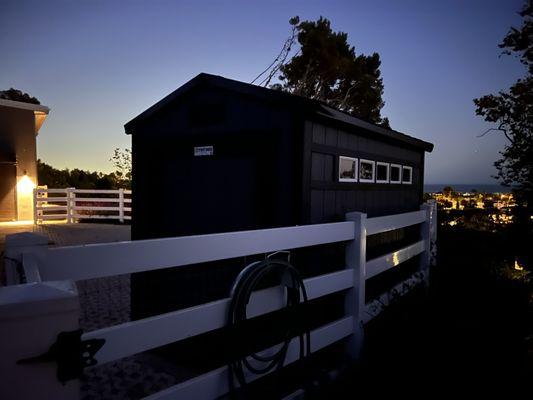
x=203, y=151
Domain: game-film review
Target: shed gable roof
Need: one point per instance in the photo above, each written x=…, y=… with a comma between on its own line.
x=308, y=106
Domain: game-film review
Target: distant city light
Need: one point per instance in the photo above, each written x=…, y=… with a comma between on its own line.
x=496, y=208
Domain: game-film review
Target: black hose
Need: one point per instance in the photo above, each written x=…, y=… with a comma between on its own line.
x=248, y=280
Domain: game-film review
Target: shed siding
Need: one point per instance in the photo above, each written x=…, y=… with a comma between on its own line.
x=330, y=199
x=245, y=130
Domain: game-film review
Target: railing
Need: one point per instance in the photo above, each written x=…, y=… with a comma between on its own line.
x=72, y=204
x=42, y=265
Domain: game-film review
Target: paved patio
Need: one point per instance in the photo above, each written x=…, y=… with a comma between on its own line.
x=9, y=228
x=105, y=302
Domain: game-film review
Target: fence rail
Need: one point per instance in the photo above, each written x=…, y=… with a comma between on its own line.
x=76, y=204
x=45, y=264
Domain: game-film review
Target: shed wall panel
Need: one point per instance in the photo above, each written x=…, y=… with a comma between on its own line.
x=373, y=198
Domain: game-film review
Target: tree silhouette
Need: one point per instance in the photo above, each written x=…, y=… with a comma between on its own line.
x=18, y=95
x=512, y=111
x=121, y=160
x=56, y=178
x=327, y=68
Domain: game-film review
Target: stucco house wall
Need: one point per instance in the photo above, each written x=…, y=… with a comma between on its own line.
x=19, y=126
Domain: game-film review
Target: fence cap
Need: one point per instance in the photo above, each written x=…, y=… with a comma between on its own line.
x=38, y=299
x=25, y=239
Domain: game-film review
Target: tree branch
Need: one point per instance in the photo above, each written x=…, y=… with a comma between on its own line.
x=499, y=128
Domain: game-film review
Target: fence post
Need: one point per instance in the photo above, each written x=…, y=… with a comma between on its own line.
x=31, y=317
x=43, y=200
x=121, y=204
x=433, y=232
x=355, y=300
x=425, y=234
x=16, y=244
x=35, y=205
x=71, y=203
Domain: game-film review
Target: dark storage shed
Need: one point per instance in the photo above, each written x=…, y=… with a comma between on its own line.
x=220, y=155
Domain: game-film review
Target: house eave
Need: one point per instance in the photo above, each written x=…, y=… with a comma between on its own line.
x=40, y=112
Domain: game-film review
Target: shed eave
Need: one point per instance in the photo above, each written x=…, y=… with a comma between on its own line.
x=391, y=134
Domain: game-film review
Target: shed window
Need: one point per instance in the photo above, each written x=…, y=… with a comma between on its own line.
x=395, y=173
x=366, y=171
x=347, y=169
x=382, y=172
x=407, y=175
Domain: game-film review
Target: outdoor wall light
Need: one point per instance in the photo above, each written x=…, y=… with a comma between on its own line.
x=25, y=185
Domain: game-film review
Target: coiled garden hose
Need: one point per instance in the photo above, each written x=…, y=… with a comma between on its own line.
x=247, y=281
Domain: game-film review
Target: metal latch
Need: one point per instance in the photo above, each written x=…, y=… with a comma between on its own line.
x=70, y=353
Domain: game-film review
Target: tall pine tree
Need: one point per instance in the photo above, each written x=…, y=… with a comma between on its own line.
x=327, y=68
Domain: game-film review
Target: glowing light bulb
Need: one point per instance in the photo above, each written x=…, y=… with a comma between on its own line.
x=25, y=186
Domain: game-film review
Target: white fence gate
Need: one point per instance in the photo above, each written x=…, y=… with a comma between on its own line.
x=43, y=267
x=71, y=204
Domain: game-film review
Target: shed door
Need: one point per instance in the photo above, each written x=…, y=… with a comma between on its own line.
x=217, y=194
x=8, y=181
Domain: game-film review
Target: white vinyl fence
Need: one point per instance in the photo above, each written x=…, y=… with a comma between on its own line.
x=43, y=265
x=72, y=204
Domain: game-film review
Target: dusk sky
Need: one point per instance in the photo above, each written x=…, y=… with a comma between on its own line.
x=98, y=64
